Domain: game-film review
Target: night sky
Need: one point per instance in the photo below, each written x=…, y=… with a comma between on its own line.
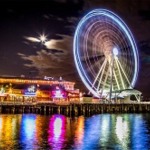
x=23, y=21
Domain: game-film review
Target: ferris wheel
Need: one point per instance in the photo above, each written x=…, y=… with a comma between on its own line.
x=105, y=53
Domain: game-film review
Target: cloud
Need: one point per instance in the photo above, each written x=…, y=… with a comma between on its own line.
x=59, y=45
x=47, y=61
x=59, y=19
x=60, y=1
x=46, y=16
x=64, y=44
x=53, y=17
x=72, y=19
x=42, y=60
x=32, y=39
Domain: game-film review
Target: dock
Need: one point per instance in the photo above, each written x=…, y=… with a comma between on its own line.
x=74, y=109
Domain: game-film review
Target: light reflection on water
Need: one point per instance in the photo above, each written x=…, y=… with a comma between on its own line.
x=28, y=131
x=103, y=131
x=56, y=131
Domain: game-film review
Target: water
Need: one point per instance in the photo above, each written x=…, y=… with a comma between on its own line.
x=55, y=132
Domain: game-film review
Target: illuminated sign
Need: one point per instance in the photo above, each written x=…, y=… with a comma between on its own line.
x=58, y=92
x=30, y=91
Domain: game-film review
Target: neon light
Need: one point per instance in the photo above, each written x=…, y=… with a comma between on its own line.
x=30, y=91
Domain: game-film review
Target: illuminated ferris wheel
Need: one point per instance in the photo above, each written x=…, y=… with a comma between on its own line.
x=105, y=53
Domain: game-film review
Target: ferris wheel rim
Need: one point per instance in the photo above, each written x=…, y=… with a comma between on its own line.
x=123, y=26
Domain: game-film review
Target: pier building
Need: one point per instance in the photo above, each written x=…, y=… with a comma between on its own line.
x=20, y=89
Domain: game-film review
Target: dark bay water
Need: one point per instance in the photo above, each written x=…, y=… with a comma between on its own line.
x=103, y=131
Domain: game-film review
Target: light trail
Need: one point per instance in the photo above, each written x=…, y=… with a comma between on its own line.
x=105, y=79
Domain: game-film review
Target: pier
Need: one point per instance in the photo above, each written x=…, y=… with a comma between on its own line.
x=74, y=109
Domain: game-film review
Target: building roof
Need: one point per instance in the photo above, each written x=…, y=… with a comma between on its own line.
x=22, y=80
x=130, y=92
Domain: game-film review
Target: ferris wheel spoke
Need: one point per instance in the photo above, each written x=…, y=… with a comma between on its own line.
x=105, y=78
x=116, y=79
x=123, y=71
x=120, y=74
x=99, y=72
x=103, y=69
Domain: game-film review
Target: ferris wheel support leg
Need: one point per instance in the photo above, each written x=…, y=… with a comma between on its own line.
x=120, y=74
x=101, y=76
x=123, y=71
x=111, y=75
x=138, y=97
x=104, y=82
x=116, y=79
x=104, y=63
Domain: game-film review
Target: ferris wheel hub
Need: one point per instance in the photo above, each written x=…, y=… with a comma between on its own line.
x=115, y=51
